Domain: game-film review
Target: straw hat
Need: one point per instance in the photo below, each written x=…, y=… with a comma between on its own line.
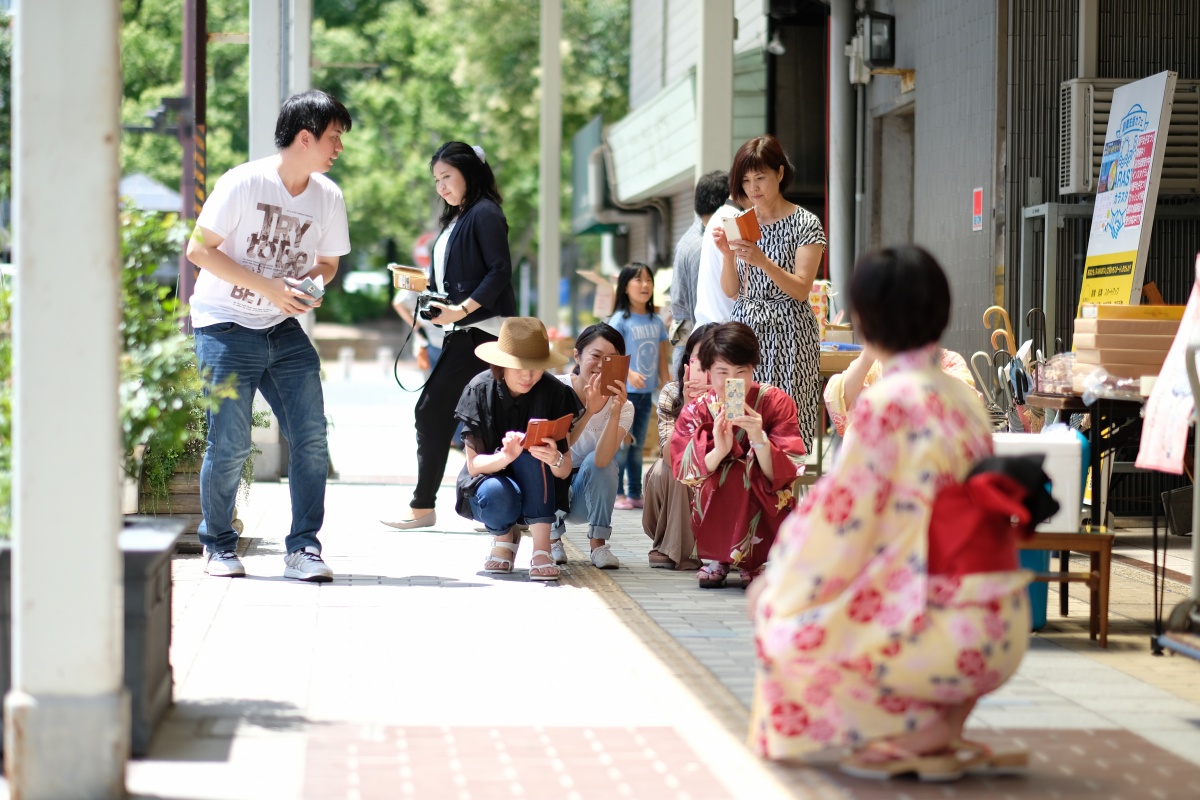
x=523, y=344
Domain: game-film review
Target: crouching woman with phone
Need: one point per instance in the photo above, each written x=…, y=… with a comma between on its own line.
x=508, y=482
x=741, y=461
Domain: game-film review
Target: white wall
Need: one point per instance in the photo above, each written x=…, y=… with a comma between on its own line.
x=664, y=39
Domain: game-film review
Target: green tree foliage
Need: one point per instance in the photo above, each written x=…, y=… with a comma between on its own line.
x=413, y=73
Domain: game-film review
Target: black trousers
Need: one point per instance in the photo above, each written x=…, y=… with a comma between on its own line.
x=435, y=409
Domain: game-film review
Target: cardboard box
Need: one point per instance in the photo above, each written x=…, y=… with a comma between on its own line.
x=1063, y=463
x=1140, y=327
x=1107, y=311
x=837, y=361
x=1121, y=341
x=1154, y=358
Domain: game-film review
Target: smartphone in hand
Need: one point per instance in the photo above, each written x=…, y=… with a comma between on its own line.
x=735, y=397
x=613, y=369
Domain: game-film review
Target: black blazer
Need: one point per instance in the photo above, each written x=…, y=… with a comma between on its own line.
x=478, y=264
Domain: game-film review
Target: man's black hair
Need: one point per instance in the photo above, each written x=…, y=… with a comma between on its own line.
x=712, y=190
x=311, y=111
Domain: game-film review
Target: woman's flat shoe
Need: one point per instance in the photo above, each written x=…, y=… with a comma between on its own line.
x=541, y=574
x=660, y=560
x=501, y=564
x=977, y=758
x=713, y=576
x=427, y=520
x=882, y=760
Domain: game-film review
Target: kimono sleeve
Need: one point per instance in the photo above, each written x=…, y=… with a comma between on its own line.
x=690, y=443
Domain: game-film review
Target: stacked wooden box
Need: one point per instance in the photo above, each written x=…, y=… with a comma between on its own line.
x=1128, y=341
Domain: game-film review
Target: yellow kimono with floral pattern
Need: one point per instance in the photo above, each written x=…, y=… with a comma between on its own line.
x=855, y=639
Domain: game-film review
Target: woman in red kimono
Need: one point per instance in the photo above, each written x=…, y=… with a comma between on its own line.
x=742, y=469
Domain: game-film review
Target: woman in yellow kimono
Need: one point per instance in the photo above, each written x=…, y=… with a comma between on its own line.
x=859, y=645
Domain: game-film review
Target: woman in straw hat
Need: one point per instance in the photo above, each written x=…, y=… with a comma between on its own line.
x=506, y=481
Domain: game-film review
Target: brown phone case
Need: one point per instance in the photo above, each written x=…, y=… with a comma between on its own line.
x=746, y=224
x=539, y=429
x=613, y=369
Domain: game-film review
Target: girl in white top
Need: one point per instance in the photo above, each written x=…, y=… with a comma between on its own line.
x=594, y=440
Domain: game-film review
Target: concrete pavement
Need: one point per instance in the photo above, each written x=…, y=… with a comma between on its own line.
x=415, y=675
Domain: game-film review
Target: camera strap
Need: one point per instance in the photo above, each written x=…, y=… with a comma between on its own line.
x=400, y=354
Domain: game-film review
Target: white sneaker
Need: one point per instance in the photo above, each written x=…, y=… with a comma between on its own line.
x=306, y=565
x=604, y=558
x=557, y=552
x=224, y=564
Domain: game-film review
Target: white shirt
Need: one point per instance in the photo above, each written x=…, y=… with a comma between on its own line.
x=268, y=231
x=589, y=439
x=712, y=304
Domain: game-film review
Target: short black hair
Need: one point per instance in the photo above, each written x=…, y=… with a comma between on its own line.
x=760, y=154
x=311, y=111
x=732, y=342
x=601, y=330
x=712, y=190
x=481, y=181
x=901, y=298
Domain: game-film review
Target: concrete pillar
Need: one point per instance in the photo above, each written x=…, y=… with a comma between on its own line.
x=265, y=75
x=714, y=88
x=299, y=79
x=300, y=49
x=1089, y=38
x=840, y=225
x=550, y=164
x=67, y=714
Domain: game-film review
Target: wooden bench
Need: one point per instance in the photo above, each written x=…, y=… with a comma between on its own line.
x=1099, y=547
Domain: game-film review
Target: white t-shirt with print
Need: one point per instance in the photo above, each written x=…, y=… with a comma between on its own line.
x=589, y=440
x=270, y=232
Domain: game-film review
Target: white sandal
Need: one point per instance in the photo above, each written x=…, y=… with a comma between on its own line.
x=540, y=567
x=506, y=563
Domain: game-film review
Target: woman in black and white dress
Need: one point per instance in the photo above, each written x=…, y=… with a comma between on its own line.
x=770, y=279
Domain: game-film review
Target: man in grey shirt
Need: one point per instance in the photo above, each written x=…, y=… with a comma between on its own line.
x=711, y=192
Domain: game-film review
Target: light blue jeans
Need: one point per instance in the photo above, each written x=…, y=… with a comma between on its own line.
x=523, y=492
x=593, y=492
x=281, y=363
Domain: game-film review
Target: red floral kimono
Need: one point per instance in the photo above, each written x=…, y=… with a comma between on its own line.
x=737, y=511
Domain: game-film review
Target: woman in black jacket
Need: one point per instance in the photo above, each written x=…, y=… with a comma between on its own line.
x=471, y=265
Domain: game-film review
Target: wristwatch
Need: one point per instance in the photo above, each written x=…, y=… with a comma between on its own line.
x=558, y=463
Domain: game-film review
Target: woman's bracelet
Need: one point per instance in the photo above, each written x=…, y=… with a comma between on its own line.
x=561, y=457
x=759, y=445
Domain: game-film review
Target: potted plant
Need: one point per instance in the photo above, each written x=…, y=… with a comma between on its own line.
x=164, y=402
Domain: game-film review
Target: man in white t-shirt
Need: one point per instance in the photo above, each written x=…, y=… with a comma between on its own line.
x=712, y=304
x=268, y=224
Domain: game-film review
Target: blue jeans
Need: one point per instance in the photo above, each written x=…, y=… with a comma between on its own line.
x=593, y=490
x=629, y=457
x=524, y=491
x=281, y=363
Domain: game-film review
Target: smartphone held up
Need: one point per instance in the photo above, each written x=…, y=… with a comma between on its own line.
x=735, y=397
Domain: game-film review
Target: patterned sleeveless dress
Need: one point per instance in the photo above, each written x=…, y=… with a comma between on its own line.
x=787, y=330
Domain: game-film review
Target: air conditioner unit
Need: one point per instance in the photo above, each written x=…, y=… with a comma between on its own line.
x=1084, y=105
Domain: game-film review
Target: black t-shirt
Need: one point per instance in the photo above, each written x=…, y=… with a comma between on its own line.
x=488, y=411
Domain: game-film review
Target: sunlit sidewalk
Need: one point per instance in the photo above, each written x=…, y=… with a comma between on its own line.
x=415, y=675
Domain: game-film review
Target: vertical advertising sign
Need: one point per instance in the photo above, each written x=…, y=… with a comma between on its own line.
x=1127, y=192
x=977, y=209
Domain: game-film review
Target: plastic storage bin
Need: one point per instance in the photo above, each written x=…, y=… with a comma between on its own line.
x=1063, y=463
x=1037, y=561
